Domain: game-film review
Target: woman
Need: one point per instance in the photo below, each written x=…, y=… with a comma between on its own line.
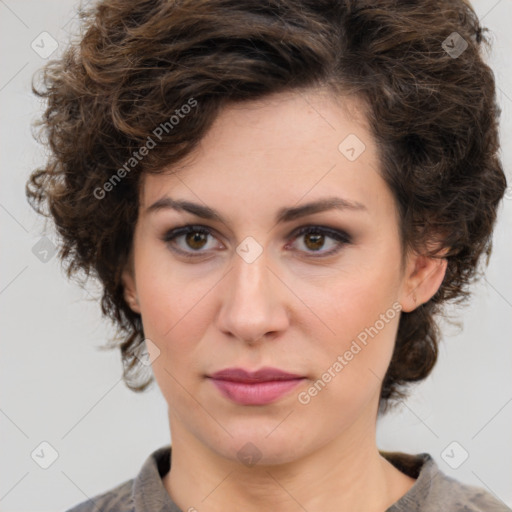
x=278, y=198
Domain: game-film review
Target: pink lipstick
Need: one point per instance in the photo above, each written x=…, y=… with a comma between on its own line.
x=261, y=387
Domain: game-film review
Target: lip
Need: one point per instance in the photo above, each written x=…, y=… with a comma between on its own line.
x=264, y=374
x=260, y=387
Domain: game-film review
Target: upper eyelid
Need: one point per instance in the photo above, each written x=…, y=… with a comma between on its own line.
x=294, y=232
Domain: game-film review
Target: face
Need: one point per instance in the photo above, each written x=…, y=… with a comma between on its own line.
x=253, y=277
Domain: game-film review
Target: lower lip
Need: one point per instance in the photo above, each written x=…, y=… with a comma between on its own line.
x=260, y=393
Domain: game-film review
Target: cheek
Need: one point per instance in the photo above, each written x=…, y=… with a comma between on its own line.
x=175, y=309
x=363, y=313
x=168, y=292
x=175, y=316
x=360, y=292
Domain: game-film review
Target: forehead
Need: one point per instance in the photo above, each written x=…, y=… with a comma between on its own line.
x=276, y=150
x=311, y=121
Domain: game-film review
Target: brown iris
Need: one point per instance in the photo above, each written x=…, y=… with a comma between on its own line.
x=316, y=241
x=196, y=240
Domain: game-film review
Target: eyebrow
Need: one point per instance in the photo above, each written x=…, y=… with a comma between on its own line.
x=283, y=215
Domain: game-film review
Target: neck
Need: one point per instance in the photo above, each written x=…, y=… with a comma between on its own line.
x=346, y=473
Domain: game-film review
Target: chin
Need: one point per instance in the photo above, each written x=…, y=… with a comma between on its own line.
x=255, y=447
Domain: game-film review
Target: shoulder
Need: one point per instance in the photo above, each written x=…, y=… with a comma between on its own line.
x=434, y=490
x=117, y=499
x=140, y=494
x=450, y=494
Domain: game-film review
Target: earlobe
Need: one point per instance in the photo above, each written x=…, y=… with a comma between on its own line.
x=130, y=292
x=425, y=276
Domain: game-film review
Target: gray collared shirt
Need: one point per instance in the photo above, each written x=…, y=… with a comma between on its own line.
x=433, y=491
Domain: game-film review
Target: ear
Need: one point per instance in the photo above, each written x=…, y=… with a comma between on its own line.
x=422, y=278
x=129, y=288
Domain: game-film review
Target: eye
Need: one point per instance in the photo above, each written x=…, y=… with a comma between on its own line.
x=192, y=240
x=315, y=238
x=188, y=240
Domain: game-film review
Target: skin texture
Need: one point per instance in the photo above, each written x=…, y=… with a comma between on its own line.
x=287, y=309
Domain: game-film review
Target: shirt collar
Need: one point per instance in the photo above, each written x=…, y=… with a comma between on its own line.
x=148, y=491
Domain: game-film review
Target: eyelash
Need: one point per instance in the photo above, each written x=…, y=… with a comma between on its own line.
x=339, y=236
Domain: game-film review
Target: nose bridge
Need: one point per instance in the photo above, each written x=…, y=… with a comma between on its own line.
x=252, y=306
x=251, y=280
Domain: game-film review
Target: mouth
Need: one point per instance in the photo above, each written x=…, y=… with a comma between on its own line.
x=261, y=387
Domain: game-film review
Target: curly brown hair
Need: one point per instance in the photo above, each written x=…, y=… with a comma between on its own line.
x=416, y=64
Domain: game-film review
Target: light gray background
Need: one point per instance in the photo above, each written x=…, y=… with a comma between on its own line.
x=57, y=387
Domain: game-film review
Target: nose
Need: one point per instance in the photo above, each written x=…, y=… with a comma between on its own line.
x=253, y=302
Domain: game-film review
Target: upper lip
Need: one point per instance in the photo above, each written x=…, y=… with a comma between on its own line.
x=262, y=375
